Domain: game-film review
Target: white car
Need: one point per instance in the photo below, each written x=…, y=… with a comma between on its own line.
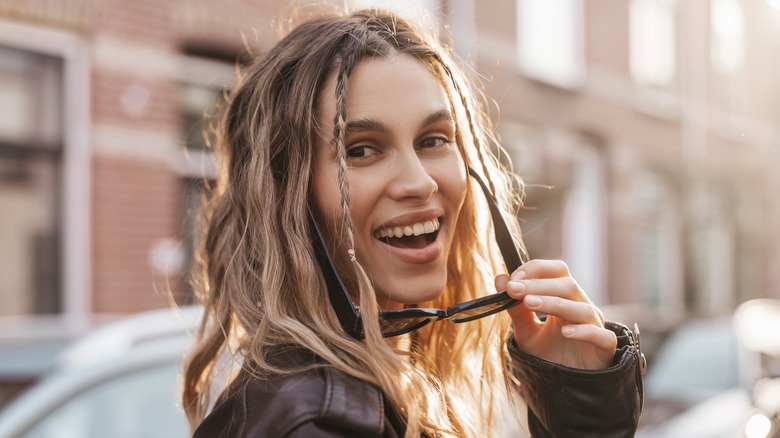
x=696, y=387
x=718, y=378
x=119, y=381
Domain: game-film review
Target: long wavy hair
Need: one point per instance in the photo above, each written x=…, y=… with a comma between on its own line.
x=257, y=275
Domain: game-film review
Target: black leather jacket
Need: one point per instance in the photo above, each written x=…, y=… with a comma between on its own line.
x=326, y=403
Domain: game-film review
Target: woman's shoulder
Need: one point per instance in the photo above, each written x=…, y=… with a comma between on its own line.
x=322, y=400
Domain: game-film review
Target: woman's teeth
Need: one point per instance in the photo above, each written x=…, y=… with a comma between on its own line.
x=417, y=229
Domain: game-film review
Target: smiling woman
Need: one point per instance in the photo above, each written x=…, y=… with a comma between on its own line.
x=408, y=171
x=350, y=214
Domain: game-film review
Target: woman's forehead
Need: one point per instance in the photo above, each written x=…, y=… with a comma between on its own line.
x=381, y=87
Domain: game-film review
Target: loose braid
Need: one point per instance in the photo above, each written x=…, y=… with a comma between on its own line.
x=339, y=133
x=470, y=119
x=348, y=61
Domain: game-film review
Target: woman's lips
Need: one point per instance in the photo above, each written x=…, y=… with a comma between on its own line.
x=421, y=248
x=412, y=237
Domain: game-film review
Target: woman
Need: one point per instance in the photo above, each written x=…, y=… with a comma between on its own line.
x=358, y=176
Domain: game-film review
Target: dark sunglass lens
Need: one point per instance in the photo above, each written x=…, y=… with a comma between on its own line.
x=397, y=327
x=483, y=310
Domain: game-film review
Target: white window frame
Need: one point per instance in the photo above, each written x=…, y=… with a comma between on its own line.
x=553, y=54
x=657, y=204
x=201, y=71
x=585, y=219
x=727, y=57
x=727, y=45
x=648, y=43
x=652, y=54
x=75, y=193
x=713, y=239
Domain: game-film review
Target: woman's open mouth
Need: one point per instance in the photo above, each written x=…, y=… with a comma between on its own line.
x=413, y=236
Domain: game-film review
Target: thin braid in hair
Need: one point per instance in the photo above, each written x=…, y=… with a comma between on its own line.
x=470, y=119
x=339, y=132
x=349, y=58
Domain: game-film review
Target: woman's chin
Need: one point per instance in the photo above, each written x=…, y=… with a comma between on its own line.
x=406, y=299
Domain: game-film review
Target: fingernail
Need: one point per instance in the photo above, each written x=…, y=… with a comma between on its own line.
x=517, y=286
x=533, y=301
x=518, y=275
x=568, y=330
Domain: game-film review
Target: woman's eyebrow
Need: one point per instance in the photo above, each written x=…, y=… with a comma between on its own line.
x=363, y=125
x=437, y=116
x=371, y=125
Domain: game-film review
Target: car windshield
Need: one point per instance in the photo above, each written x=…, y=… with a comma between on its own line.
x=141, y=404
x=697, y=362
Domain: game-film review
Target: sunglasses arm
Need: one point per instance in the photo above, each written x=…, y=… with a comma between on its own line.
x=506, y=243
x=342, y=304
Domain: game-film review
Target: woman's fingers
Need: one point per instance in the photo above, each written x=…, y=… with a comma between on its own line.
x=563, y=287
x=538, y=268
x=501, y=282
x=524, y=319
x=573, y=333
x=573, y=311
x=598, y=336
x=544, y=277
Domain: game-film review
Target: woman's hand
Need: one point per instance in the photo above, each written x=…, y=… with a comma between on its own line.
x=573, y=333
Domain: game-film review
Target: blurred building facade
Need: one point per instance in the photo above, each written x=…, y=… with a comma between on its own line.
x=656, y=124
x=646, y=130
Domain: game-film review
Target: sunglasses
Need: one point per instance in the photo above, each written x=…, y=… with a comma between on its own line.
x=399, y=322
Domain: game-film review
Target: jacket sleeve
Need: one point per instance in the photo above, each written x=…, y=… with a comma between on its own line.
x=569, y=402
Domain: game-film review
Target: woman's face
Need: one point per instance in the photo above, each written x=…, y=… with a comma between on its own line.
x=406, y=176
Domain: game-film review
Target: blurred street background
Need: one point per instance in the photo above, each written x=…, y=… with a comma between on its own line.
x=647, y=132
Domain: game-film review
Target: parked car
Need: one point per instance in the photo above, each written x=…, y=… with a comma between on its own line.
x=119, y=381
x=699, y=370
x=29, y=347
x=717, y=378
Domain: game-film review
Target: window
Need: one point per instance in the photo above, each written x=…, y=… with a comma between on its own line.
x=44, y=173
x=652, y=42
x=526, y=146
x=31, y=148
x=727, y=52
x=660, y=257
x=712, y=241
x=584, y=220
x=728, y=36
x=550, y=41
x=653, y=55
x=201, y=87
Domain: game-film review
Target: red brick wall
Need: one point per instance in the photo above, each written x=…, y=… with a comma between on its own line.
x=135, y=204
x=137, y=191
x=159, y=113
x=142, y=21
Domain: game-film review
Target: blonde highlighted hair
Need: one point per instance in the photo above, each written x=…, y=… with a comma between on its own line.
x=258, y=278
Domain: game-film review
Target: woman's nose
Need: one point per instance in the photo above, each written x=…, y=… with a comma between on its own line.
x=411, y=179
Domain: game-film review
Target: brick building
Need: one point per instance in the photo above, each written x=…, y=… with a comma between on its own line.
x=656, y=124
x=646, y=129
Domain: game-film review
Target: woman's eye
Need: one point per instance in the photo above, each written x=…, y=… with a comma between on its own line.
x=360, y=152
x=434, y=142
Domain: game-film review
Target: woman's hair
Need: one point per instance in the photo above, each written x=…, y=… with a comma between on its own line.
x=258, y=277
